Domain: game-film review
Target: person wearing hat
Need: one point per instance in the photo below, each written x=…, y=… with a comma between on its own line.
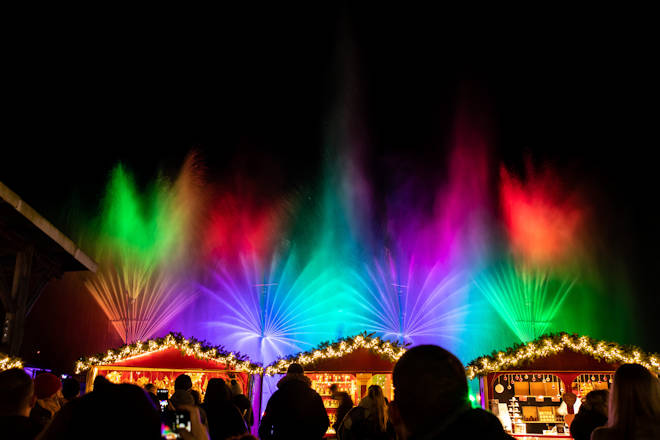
x=48, y=389
x=295, y=410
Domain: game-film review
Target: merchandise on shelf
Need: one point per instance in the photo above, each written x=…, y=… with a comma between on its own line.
x=531, y=398
x=525, y=385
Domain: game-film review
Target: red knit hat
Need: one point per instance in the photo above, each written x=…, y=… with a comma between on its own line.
x=46, y=384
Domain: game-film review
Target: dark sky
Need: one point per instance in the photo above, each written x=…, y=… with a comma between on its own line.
x=256, y=94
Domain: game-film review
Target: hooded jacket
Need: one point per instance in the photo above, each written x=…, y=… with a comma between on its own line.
x=295, y=411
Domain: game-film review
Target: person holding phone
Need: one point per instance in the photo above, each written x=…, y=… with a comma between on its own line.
x=197, y=429
x=48, y=389
x=162, y=399
x=185, y=418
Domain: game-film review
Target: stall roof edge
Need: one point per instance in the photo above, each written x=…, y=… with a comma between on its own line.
x=31, y=222
x=385, y=348
x=552, y=344
x=189, y=346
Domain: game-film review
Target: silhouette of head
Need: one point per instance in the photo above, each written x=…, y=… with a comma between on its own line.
x=183, y=382
x=429, y=383
x=295, y=369
x=16, y=392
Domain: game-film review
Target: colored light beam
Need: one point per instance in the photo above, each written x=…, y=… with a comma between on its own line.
x=138, y=300
x=419, y=305
x=419, y=290
x=265, y=295
x=533, y=278
x=142, y=245
x=284, y=309
x=528, y=300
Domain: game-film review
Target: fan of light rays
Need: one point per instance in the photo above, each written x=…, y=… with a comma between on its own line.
x=280, y=309
x=527, y=299
x=419, y=304
x=139, y=301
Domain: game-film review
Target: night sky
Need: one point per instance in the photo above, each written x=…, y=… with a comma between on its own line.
x=256, y=95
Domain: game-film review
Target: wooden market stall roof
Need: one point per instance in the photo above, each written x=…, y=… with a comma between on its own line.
x=170, y=352
x=20, y=223
x=361, y=352
x=563, y=351
x=32, y=252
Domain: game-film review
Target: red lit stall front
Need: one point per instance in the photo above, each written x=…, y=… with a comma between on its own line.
x=160, y=361
x=353, y=364
x=536, y=389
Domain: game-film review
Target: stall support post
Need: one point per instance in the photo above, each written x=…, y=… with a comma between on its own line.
x=261, y=395
x=89, y=381
x=483, y=390
x=252, y=393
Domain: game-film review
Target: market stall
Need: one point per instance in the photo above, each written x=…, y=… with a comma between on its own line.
x=353, y=363
x=535, y=388
x=161, y=360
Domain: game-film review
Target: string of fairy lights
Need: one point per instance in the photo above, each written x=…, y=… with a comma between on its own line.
x=7, y=362
x=389, y=350
x=190, y=347
x=551, y=344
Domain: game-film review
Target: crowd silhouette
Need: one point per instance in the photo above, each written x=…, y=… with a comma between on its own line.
x=430, y=402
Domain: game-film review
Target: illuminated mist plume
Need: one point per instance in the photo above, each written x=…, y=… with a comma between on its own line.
x=286, y=284
x=142, y=245
x=264, y=295
x=423, y=258
x=531, y=282
x=419, y=290
x=543, y=222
